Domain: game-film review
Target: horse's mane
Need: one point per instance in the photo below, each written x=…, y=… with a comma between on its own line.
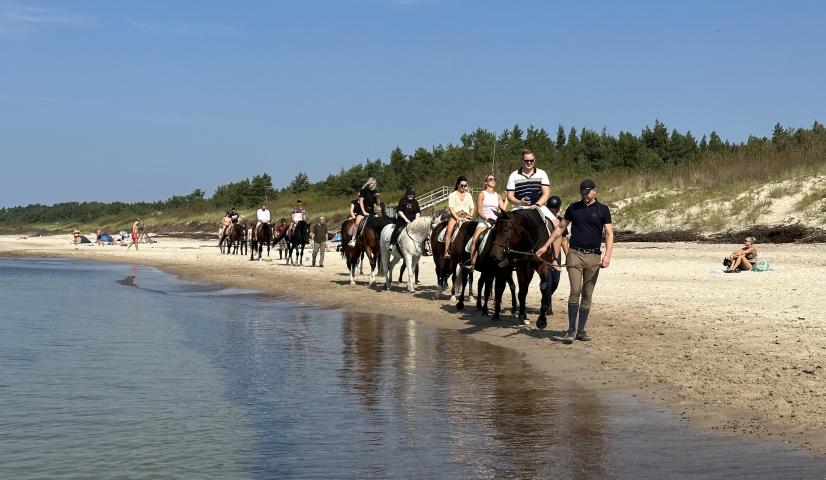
x=420, y=226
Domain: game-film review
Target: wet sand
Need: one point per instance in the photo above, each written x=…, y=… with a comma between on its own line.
x=738, y=353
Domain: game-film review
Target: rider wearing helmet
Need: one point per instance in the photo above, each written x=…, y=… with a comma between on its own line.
x=406, y=211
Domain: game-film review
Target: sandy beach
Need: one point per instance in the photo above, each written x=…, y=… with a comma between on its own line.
x=739, y=353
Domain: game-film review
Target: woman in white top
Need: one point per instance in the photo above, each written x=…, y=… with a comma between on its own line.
x=488, y=204
x=461, y=208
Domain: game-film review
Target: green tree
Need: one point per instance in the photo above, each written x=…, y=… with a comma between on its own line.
x=715, y=143
x=300, y=183
x=560, y=138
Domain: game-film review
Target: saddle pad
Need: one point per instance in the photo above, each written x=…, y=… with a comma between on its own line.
x=483, y=240
x=452, y=236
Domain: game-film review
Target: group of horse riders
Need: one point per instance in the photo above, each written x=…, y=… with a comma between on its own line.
x=264, y=220
x=528, y=191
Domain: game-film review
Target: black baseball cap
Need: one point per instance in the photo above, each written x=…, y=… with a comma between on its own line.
x=586, y=186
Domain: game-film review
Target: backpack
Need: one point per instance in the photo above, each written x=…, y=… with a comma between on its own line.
x=761, y=266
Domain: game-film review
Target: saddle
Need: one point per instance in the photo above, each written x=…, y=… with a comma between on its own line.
x=546, y=220
x=455, y=231
x=480, y=242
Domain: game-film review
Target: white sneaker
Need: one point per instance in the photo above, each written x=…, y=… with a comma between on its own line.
x=352, y=242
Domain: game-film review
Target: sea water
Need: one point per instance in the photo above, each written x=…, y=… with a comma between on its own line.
x=118, y=371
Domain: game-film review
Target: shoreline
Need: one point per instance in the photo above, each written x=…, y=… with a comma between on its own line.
x=735, y=368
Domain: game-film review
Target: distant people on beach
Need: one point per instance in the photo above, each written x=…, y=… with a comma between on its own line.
x=318, y=233
x=135, y=234
x=76, y=235
x=743, y=258
x=98, y=233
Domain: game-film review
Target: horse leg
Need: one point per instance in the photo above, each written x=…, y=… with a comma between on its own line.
x=524, y=282
x=479, y=289
x=385, y=264
x=498, y=291
x=413, y=261
x=512, y=287
x=463, y=277
x=252, y=249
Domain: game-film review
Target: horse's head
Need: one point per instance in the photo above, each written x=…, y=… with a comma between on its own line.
x=501, y=237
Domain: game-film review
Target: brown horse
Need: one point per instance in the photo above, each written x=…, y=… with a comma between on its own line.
x=487, y=274
x=446, y=267
x=234, y=236
x=515, y=239
x=261, y=236
x=351, y=255
x=371, y=242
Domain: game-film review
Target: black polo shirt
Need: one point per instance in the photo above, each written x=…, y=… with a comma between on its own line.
x=369, y=197
x=587, y=222
x=409, y=208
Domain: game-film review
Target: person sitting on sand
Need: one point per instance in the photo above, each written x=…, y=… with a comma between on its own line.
x=743, y=258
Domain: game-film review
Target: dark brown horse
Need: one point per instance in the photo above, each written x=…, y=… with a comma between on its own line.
x=262, y=235
x=371, y=242
x=487, y=274
x=296, y=240
x=352, y=255
x=235, y=236
x=446, y=267
x=516, y=238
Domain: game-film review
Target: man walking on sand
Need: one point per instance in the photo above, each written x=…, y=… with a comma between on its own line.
x=588, y=218
x=135, y=234
x=319, y=235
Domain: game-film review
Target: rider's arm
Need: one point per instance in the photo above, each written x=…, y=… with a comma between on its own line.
x=480, y=199
x=361, y=204
x=563, y=224
x=512, y=198
x=546, y=193
x=609, y=245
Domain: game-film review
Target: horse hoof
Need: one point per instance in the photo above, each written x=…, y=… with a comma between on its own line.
x=541, y=323
x=523, y=317
x=495, y=317
x=460, y=306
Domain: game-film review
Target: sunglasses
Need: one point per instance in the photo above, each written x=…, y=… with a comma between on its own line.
x=463, y=185
x=491, y=179
x=532, y=160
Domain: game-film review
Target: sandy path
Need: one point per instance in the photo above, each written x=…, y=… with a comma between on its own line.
x=742, y=353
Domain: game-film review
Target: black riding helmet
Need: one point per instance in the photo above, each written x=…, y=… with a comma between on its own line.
x=554, y=202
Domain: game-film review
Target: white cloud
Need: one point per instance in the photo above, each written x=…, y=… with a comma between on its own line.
x=20, y=20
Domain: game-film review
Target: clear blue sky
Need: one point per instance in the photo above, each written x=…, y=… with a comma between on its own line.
x=103, y=100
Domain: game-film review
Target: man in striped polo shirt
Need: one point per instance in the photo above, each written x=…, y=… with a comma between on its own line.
x=529, y=186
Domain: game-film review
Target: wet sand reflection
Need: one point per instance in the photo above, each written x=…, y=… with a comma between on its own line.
x=491, y=413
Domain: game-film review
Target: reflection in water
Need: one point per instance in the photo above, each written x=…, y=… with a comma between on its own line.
x=482, y=407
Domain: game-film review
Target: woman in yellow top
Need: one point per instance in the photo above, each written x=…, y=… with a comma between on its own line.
x=461, y=208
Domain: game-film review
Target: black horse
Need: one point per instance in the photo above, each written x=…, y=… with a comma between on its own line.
x=296, y=240
x=515, y=239
x=487, y=274
x=260, y=237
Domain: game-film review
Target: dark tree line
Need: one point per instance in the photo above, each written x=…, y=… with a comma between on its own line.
x=573, y=150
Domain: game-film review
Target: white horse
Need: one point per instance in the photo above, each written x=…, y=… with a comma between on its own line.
x=410, y=248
